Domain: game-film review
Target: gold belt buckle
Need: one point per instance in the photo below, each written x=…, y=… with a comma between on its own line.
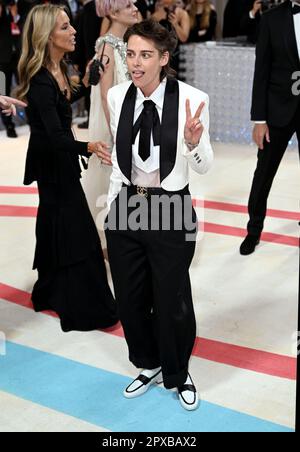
x=142, y=191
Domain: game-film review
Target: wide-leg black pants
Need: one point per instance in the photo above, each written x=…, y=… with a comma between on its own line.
x=150, y=270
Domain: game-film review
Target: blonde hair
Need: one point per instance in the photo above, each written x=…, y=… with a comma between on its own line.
x=39, y=25
x=205, y=15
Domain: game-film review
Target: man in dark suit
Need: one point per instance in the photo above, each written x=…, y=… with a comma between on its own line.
x=10, y=42
x=275, y=106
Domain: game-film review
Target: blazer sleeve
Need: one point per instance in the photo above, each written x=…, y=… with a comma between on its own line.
x=201, y=158
x=43, y=97
x=116, y=175
x=262, y=72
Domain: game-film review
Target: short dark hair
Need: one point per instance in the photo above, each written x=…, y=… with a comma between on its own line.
x=164, y=40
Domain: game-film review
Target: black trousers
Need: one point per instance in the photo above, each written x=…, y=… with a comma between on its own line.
x=150, y=270
x=10, y=70
x=267, y=165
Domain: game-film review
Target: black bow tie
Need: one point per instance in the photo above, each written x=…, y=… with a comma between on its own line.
x=296, y=9
x=147, y=122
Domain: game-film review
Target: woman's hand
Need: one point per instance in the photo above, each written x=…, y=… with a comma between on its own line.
x=101, y=150
x=193, y=127
x=257, y=6
x=105, y=63
x=8, y=105
x=174, y=18
x=85, y=79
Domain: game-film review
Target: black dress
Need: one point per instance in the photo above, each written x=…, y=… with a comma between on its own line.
x=72, y=278
x=210, y=32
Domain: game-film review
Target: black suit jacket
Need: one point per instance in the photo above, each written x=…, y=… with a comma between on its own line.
x=52, y=154
x=277, y=59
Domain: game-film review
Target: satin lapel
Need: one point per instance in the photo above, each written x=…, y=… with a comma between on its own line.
x=169, y=129
x=124, y=133
x=288, y=30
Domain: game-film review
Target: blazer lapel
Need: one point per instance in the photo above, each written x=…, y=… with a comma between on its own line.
x=288, y=30
x=169, y=129
x=124, y=133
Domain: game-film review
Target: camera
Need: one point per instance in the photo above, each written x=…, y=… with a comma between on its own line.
x=95, y=69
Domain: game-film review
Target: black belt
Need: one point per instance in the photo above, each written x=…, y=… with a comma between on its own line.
x=150, y=191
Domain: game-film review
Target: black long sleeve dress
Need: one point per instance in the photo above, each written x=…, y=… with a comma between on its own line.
x=72, y=278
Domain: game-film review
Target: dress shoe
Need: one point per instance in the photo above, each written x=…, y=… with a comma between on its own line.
x=11, y=132
x=249, y=244
x=188, y=396
x=83, y=125
x=142, y=383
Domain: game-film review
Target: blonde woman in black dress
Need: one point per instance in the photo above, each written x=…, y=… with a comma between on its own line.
x=71, y=273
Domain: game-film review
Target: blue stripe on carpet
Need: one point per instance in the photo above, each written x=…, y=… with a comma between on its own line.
x=95, y=396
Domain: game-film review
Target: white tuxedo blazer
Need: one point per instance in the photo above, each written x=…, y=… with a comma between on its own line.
x=200, y=159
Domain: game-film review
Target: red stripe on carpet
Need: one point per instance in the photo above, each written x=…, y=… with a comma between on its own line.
x=220, y=352
x=240, y=232
x=215, y=205
x=246, y=358
x=18, y=190
x=19, y=297
x=229, y=207
x=17, y=211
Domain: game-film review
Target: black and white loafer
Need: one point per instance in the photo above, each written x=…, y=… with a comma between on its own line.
x=188, y=396
x=141, y=384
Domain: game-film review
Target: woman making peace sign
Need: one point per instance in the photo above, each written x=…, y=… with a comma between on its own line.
x=160, y=129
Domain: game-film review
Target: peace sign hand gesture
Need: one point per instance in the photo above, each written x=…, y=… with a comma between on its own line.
x=193, y=126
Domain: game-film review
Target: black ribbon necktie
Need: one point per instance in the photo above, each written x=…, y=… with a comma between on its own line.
x=147, y=122
x=296, y=9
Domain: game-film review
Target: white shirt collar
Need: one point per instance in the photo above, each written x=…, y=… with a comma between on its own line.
x=157, y=96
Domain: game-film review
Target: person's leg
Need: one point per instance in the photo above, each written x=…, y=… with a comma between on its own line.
x=175, y=324
x=8, y=122
x=170, y=254
x=6, y=69
x=268, y=162
x=133, y=292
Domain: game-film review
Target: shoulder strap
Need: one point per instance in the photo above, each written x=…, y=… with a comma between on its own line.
x=102, y=53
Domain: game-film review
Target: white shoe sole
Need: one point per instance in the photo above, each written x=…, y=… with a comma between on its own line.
x=187, y=406
x=142, y=389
